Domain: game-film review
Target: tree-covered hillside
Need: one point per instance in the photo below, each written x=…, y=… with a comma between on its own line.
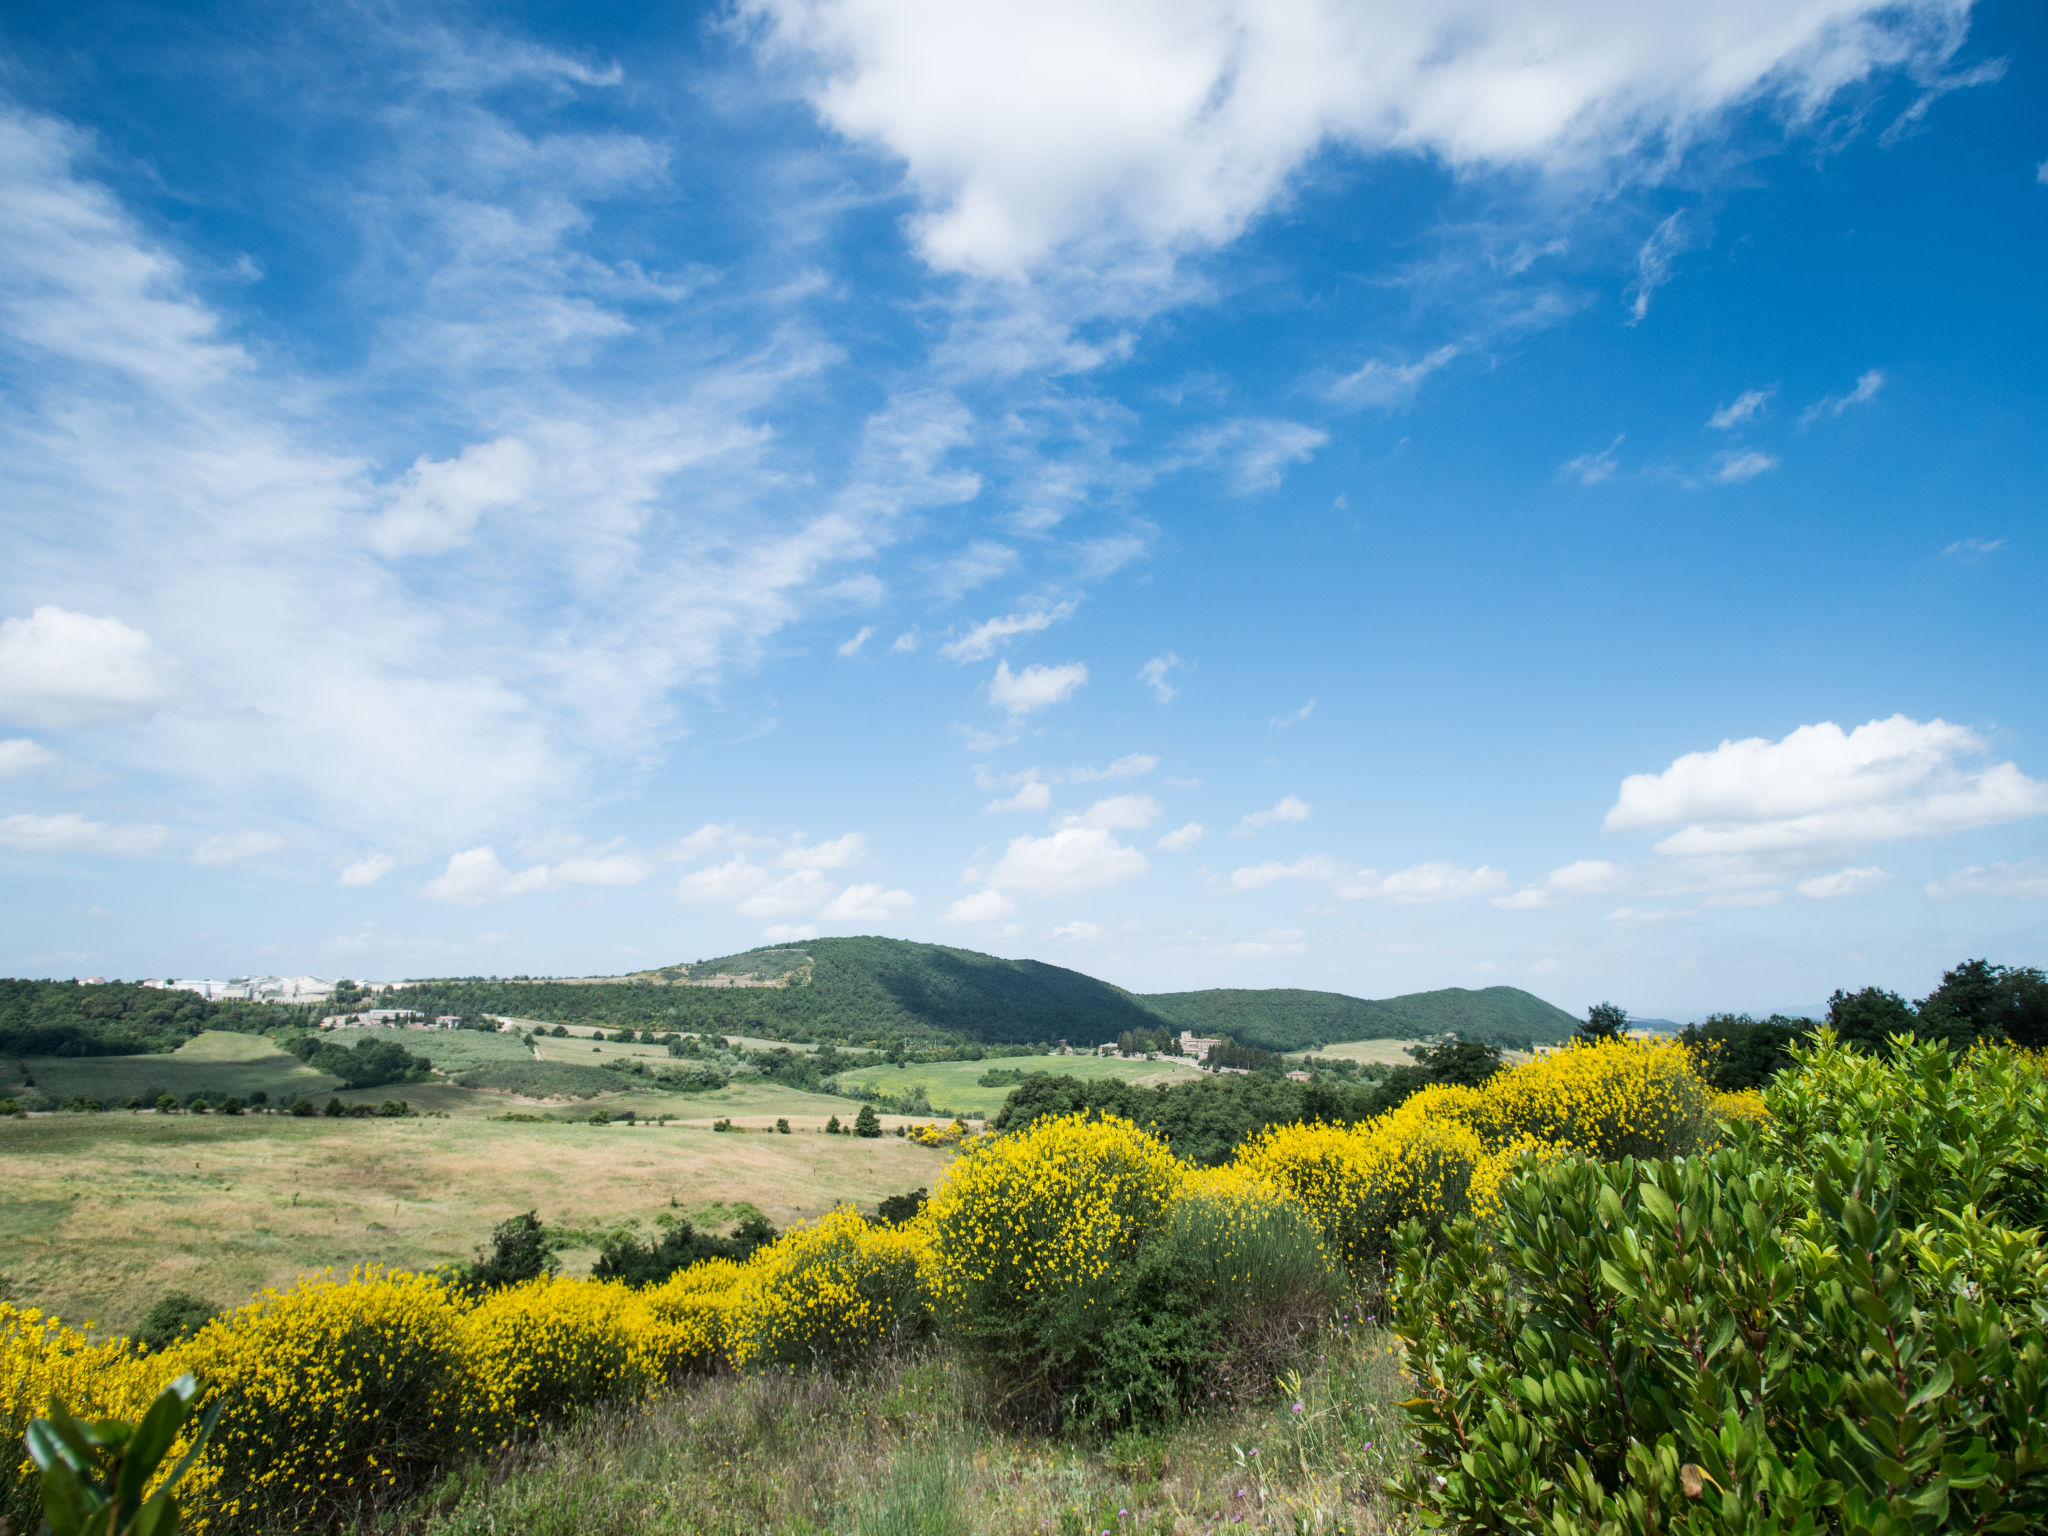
x=1289, y=1019
x=65, y=1018
x=864, y=990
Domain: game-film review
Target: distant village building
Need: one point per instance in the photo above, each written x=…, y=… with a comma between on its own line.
x=1195, y=1047
x=364, y=1018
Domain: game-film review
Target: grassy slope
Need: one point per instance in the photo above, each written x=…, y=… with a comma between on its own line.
x=905, y=1451
x=216, y=1062
x=1289, y=1019
x=102, y=1214
x=952, y=1085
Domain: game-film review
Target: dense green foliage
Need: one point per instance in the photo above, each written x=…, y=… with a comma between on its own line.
x=1205, y=1119
x=176, y=1316
x=624, y=1257
x=97, y=1477
x=364, y=1063
x=1288, y=1019
x=1737, y=1052
x=521, y=1249
x=1838, y=1323
x=63, y=1018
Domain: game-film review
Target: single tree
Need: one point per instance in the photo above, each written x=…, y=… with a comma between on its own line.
x=867, y=1122
x=1604, y=1021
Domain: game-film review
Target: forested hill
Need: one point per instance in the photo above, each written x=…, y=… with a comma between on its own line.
x=876, y=990
x=865, y=990
x=62, y=1018
x=1290, y=1019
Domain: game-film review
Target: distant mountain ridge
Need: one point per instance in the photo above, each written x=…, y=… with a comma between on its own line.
x=1291, y=1019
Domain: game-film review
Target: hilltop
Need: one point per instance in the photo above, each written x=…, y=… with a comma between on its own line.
x=879, y=989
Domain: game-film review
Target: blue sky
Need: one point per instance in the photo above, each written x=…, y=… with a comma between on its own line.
x=1281, y=494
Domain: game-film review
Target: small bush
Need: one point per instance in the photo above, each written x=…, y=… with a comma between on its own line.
x=521, y=1249
x=867, y=1122
x=781, y=1126
x=681, y=1246
x=177, y=1316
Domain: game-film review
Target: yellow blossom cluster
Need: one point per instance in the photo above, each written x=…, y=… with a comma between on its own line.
x=939, y=1135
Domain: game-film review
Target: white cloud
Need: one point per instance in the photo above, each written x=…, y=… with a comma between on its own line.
x=718, y=884
x=1592, y=468
x=1036, y=687
x=1769, y=898
x=1844, y=882
x=713, y=837
x=1271, y=944
x=1287, y=808
x=1586, y=877
x=1310, y=866
x=69, y=832
x=1286, y=722
x=22, y=756
x=788, y=933
x=2025, y=880
x=1667, y=242
x=1743, y=407
x=1153, y=676
x=233, y=847
x=1032, y=795
x=1973, y=549
x=981, y=907
x=798, y=894
x=989, y=636
x=475, y=875
x=435, y=506
x=602, y=869
x=1078, y=931
x=904, y=643
x=1822, y=787
x=1116, y=812
x=1381, y=383
x=368, y=870
x=1064, y=126
x=860, y=638
x=1740, y=464
x=1132, y=765
x=835, y=853
x=59, y=668
x=1866, y=390
x=1632, y=916
x=1547, y=966
x=1069, y=862
x=1255, y=452
x=1421, y=883
x=868, y=904
x=1181, y=839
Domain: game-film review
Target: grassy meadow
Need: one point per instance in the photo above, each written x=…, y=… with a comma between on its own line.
x=1392, y=1053
x=231, y=1205
x=215, y=1061
x=954, y=1085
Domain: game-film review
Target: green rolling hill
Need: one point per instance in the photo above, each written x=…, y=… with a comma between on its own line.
x=877, y=989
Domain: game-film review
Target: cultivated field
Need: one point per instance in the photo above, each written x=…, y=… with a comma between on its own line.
x=1393, y=1053
x=953, y=1085
x=218, y=1061
x=102, y=1214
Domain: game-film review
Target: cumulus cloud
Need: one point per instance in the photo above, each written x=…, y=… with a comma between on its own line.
x=1036, y=687
x=602, y=869
x=368, y=870
x=798, y=894
x=1310, y=866
x=475, y=876
x=868, y=904
x=59, y=668
x=1438, y=881
x=834, y=853
x=1844, y=882
x=1069, y=862
x=1031, y=795
x=1181, y=839
x=1132, y=765
x=989, y=636
x=1632, y=916
x=1153, y=676
x=981, y=907
x=1116, y=812
x=1586, y=877
x=1030, y=131
x=1866, y=390
x=1078, y=931
x=22, y=756
x=69, y=832
x=860, y=637
x=1744, y=407
x=1287, y=808
x=233, y=847
x=2026, y=879
x=1822, y=787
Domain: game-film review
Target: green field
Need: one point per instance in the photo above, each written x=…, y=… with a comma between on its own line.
x=952, y=1085
x=215, y=1062
x=102, y=1214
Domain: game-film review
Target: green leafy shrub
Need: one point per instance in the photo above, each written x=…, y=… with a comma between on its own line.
x=95, y=1474
x=521, y=1249
x=867, y=1123
x=624, y=1257
x=1828, y=1326
x=177, y=1316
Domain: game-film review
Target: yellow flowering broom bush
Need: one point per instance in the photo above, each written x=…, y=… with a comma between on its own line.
x=829, y=1294
x=538, y=1351
x=40, y=1356
x=337, y=1398
x=695, y=1302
